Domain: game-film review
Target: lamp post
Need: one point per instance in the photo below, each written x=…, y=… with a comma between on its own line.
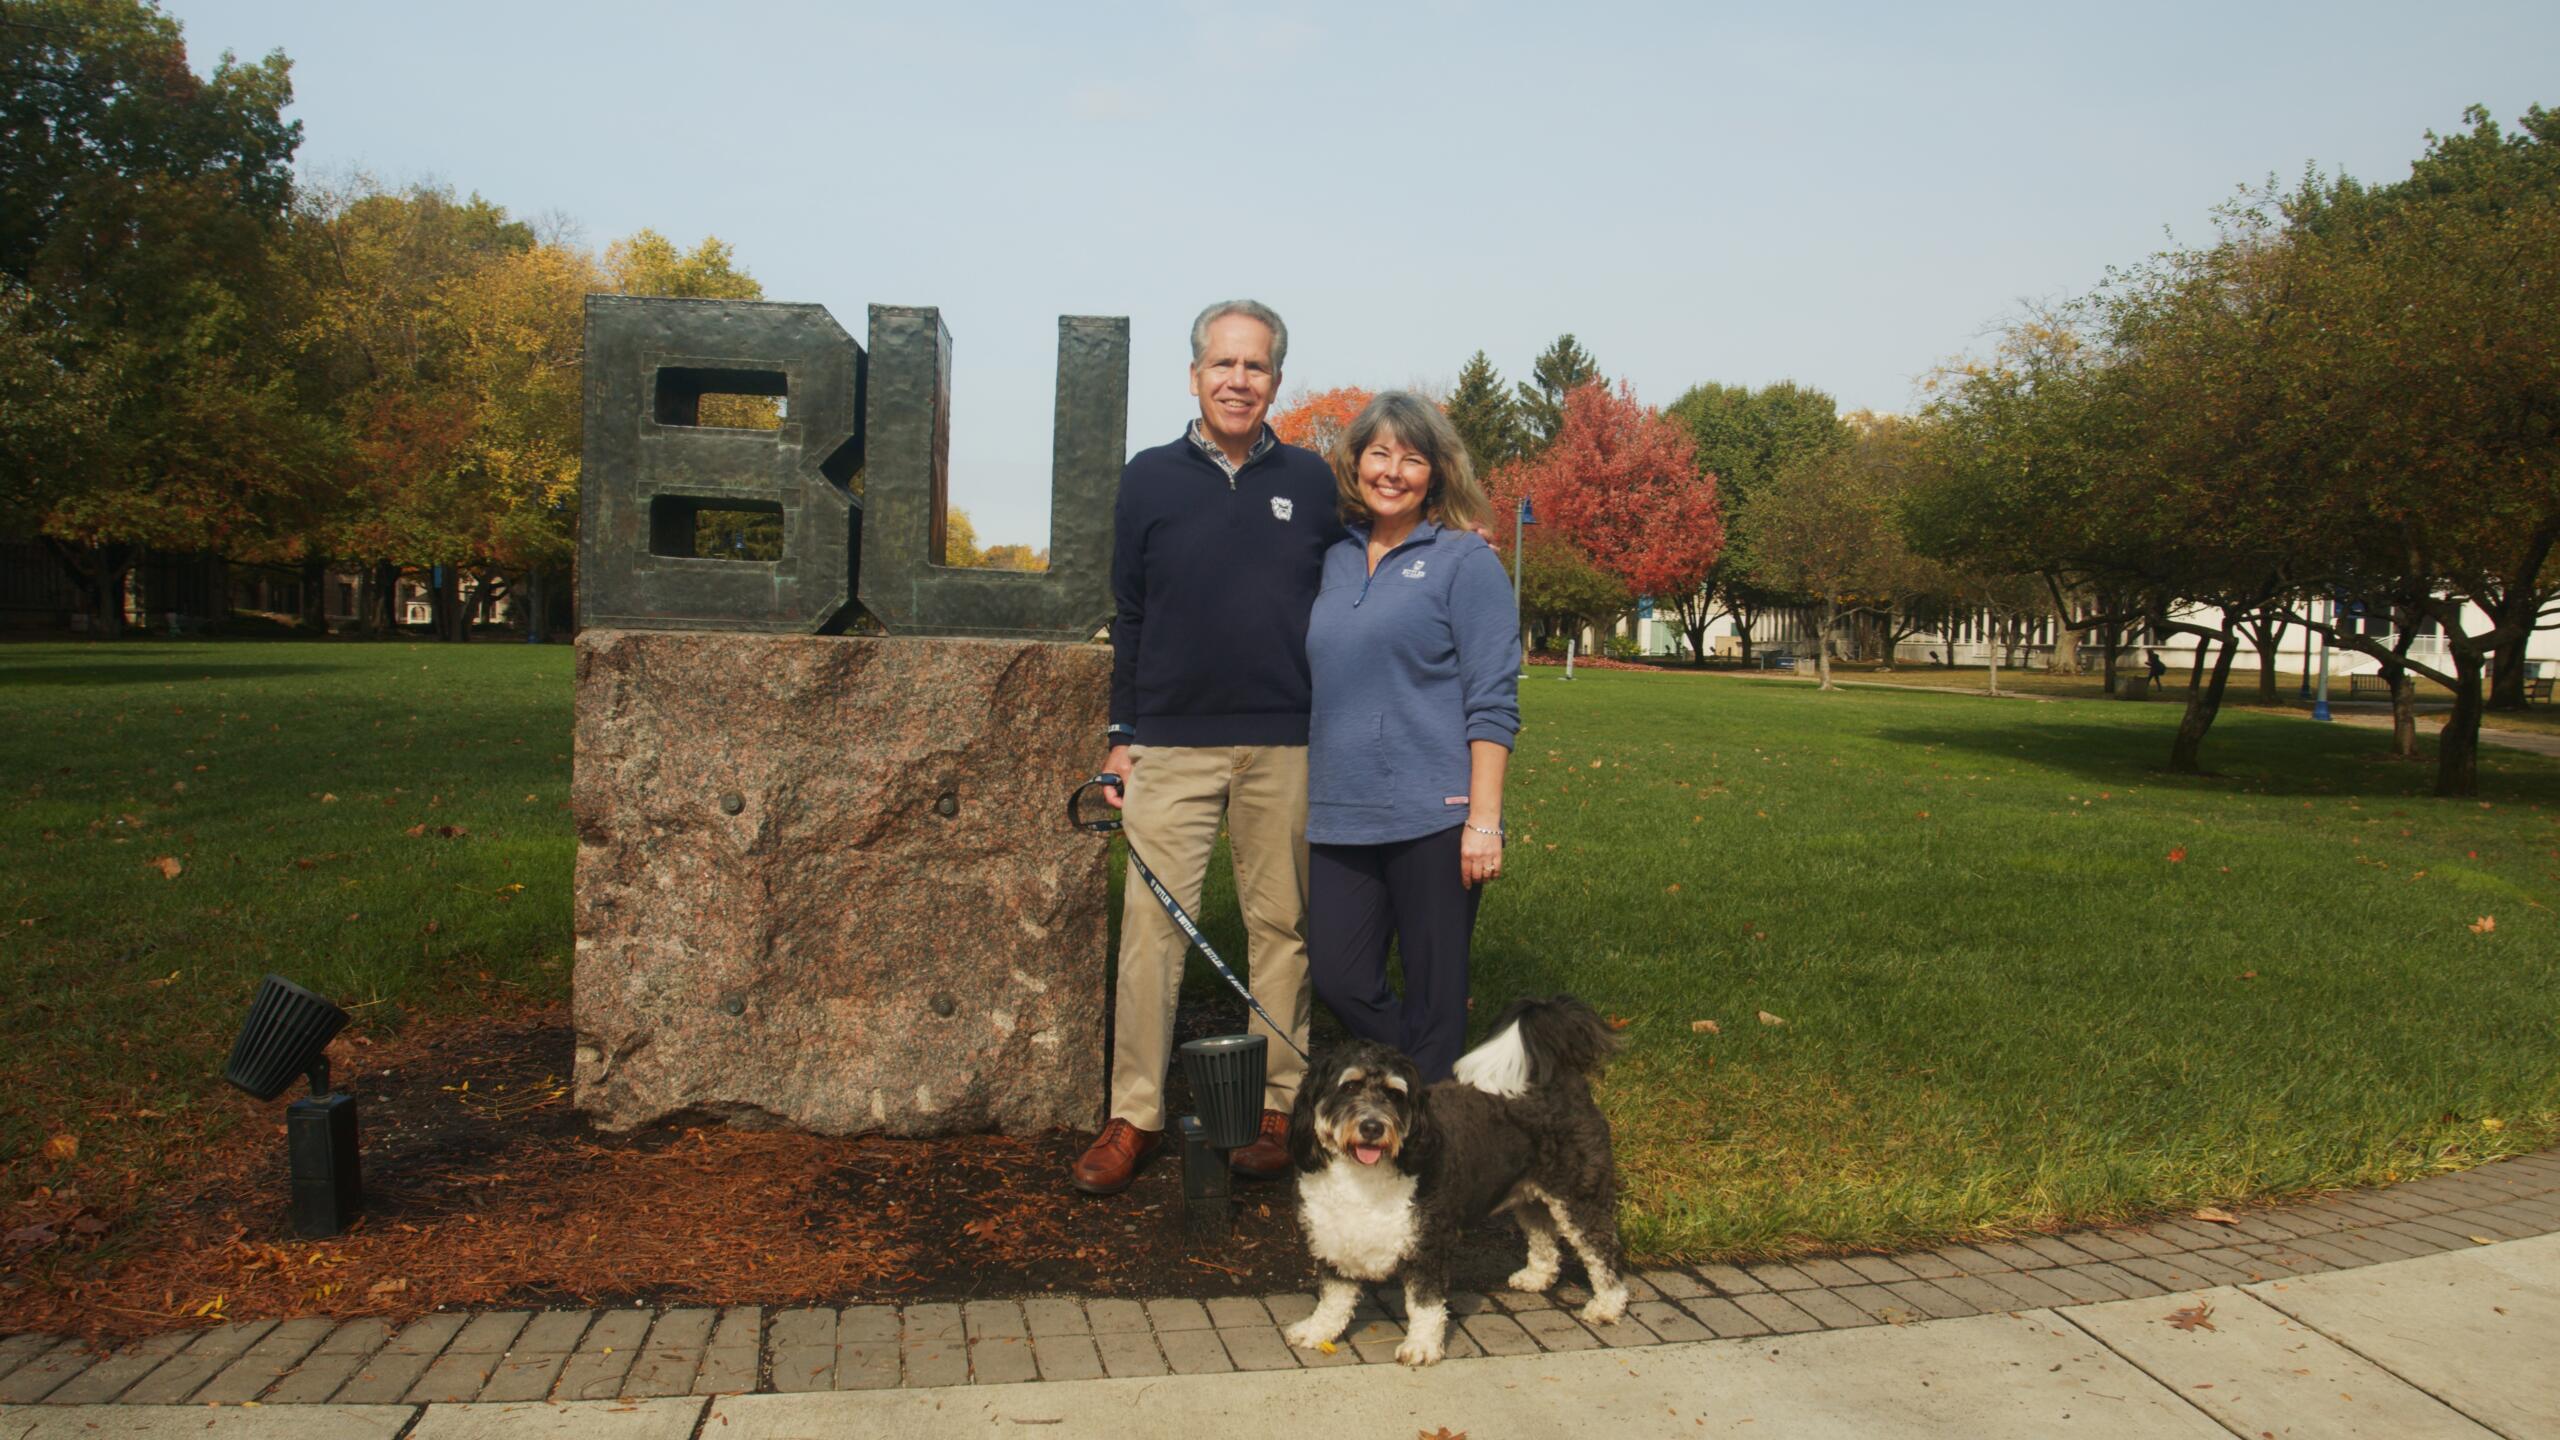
x=1519, y=531
x=2320, y=707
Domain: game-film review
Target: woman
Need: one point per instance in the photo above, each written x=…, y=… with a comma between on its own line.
x=1413, y=649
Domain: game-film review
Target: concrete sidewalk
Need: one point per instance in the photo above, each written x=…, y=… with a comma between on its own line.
x=2459, y=1344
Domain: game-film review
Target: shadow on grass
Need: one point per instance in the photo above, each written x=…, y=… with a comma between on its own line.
x=2266, y=756
x=122, y=672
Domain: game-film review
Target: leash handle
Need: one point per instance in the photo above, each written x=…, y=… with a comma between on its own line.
x=1108, y=822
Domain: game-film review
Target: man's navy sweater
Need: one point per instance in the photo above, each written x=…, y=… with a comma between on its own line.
x=1213, y=578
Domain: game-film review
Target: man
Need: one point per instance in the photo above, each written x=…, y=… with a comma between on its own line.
x=1219, y=542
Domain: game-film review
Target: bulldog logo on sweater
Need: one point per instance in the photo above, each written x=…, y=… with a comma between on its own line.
x=1282, y=507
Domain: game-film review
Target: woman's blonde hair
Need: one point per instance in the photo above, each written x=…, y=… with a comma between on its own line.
x=1454, y=499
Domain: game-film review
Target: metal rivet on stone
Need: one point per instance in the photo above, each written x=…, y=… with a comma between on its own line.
x=944, y=1005
x=735, y=1004
x=732, y=803
x=947, y=806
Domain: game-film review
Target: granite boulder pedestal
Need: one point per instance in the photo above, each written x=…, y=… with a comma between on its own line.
x=827, y=882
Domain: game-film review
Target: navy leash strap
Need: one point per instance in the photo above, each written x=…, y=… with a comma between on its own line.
x=1107, y=823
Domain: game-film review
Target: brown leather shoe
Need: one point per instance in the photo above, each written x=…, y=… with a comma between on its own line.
x=1267, y=1158
x=1112, y=1161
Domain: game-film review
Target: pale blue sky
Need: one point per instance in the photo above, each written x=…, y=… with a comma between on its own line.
x=1842, y=195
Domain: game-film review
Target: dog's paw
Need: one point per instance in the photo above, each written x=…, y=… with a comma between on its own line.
x=1531, y=1279
x=1605, y=1308
x=1308, y=1335
x=1417, y=1351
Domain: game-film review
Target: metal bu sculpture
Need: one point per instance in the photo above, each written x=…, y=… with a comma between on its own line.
x=855, y=479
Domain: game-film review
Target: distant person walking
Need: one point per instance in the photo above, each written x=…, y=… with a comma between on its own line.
x=2158, y=671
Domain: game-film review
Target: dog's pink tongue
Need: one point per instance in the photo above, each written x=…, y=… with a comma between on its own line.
x=1367, y=1154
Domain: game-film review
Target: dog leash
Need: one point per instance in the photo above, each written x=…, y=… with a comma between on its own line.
x=1105, y=824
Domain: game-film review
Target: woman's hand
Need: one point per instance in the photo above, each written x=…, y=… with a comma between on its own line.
x=1479, y=854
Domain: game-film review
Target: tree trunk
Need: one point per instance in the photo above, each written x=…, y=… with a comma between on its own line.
x=2268, y=633
x=2404, y=713
x=537, y=617
x=2506, y=675
x=2204, y=699
x=1822, y=642
x=315, y=596
x=100, y=571
x=2458, y=746
x=2066, y=646
x=2112, y=639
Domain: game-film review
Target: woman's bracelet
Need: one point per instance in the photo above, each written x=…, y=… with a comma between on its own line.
x=1497, y=832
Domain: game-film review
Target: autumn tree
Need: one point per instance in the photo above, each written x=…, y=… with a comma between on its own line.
x=1619, y=483
x=1481, y=409
x=137, y=207
x=1742, y=437
x=960, y=540
x=1015, y=557
x=1315, y=419
x=1827, y=525
x=1559, y=370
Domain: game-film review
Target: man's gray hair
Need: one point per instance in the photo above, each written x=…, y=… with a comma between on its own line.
x=1251, y=310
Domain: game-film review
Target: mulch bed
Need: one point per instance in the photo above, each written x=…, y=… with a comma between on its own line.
x=485, y=1187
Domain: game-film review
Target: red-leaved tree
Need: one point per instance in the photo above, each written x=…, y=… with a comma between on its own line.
x=1317, y=418
x=1621, y=482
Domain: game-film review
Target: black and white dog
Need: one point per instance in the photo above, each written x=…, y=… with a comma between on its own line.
x=1389, y=1172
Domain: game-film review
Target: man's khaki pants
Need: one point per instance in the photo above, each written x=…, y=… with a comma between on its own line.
x=1176, y=795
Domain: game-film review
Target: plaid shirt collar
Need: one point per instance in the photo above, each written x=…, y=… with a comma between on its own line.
x=1200, y=437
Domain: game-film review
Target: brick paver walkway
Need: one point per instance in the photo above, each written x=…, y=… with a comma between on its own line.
x=635, y=1353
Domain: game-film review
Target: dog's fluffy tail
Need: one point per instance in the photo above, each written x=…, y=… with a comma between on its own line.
x=1535, y=1041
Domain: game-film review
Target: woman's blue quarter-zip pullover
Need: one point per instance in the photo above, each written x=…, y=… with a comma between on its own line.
x=1409, y=663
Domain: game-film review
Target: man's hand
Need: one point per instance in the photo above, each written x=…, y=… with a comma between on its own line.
x=1117, y=763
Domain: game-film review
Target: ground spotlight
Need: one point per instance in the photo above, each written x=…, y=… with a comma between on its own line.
x=1226, y=1073
x=286, y=1035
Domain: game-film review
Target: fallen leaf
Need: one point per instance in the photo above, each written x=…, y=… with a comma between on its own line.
x=1443, y=1433
x=1768, y=1019
x=2248, y=974
x=2193, y=1317
x=414, y=831
x=1705, y=1027
x=1920, y=815
x=89, y=1225
x=1326, y=1346
x=31, y=1237
x=1672, y=889
x=387, y=1287
x=452, y=832
x=2216, y=1215
x=985, y=1229
x=2492, y=1124
x=2484, y=925
x=2178, y=855
x=2479, y=1239
x=327, y=799
x=1620, y=1022
x=62, y=1147
x=169, y=868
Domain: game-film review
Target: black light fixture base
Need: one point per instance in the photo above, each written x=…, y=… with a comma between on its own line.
x=320, y=1146
x=1208, y=1186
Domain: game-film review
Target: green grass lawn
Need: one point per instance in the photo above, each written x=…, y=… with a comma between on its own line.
x=2025, y=976
x=283, y=780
